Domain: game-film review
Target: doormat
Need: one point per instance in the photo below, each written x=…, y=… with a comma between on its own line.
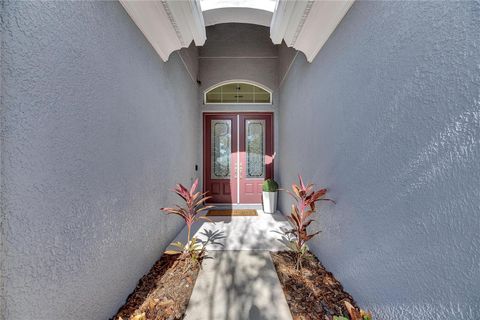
x=232, y=213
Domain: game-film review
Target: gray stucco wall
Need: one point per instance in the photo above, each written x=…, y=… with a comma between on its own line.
x=238, y=51
x=286, y=56
x=388, y=117
x=96, y=129
x=189, y=58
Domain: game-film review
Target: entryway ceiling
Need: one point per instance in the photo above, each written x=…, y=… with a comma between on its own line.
x=170, y=25
x=237, y=15
x=266, y=5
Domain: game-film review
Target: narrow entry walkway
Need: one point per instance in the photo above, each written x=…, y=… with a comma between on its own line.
x=238, y=281
x=237, y=285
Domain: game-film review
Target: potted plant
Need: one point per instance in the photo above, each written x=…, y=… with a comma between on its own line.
x=270, y=191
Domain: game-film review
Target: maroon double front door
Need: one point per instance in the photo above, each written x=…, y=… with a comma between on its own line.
x=238, y=155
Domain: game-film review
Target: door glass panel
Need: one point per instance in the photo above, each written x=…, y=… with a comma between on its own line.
x=255, y=148
x=221, y=137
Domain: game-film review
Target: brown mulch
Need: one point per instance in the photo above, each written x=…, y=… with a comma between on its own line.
x=163, y=293
x=312, y=292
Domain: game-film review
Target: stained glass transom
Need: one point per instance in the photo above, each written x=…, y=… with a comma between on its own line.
x=241, y=93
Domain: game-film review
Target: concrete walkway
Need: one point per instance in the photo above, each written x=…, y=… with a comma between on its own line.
x=237, y=285
x=262, y=232
x=239, y=280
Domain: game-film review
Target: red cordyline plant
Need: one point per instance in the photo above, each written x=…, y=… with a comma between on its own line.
x=194, y=204
x=354, y=313
x=304, y=207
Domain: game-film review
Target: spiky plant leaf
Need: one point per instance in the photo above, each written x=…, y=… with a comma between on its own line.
x=194, y=203
x=305, y=197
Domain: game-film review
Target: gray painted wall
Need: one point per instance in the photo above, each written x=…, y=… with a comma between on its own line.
x=96, y=129
x=189, y=58
x=238, y=51
x=388, y=118
x=286, y=56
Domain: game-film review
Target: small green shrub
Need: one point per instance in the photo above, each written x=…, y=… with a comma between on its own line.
x=270, y=185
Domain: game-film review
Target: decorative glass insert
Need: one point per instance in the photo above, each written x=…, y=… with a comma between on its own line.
x=221, y=137
x=238, y=93
x=255, y=148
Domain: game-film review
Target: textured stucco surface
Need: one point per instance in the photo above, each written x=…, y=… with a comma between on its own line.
x=96, y=130
x=286, y=57
x=388, y=117
x=238, y=51
x=189, y=58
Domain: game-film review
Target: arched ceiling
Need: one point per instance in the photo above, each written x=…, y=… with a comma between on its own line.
x=171, y=24
x=266, y=5
x=237, y=15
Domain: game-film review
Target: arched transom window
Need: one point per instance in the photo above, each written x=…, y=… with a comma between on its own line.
x=238, y=92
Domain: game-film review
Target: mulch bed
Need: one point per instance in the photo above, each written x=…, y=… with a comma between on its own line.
x=312, y=292
x=163, y=293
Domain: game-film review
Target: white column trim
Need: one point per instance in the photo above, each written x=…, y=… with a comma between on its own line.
x=187, y=18
x=168, y=25
x=307, y=25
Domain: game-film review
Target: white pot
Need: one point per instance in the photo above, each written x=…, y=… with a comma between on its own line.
x=269, y=202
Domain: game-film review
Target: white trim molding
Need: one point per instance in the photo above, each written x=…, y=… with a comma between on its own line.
x=267, y=5
x=237, y=15
x=307, y=24
x=168, y=25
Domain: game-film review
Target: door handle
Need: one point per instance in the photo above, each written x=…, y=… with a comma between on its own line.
x=240, y=170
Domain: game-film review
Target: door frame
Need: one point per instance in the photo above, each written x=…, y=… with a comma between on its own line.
x=234, y=113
